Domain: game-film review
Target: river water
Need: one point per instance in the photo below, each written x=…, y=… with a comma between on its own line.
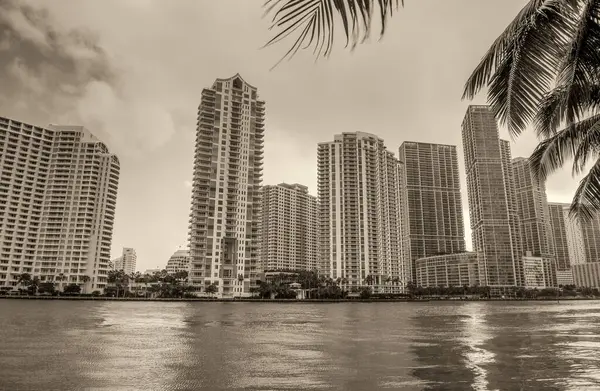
x=79, y=345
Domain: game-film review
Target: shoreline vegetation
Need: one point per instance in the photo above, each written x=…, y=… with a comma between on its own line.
x=259, y=300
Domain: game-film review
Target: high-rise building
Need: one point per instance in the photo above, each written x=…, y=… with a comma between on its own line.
x=534, y=214
x=583, y=238
x=359, y=213
x=179, y=261
x=289, y=228
x=493, y=213
x=433, y=220
x=58, y=192
x=226, y=201
x=559, y=235
x=127, y=261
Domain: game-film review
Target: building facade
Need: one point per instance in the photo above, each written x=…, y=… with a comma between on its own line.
x=587, y=275
x=179, y=261
x=431, y=200
x=493, y=213
x=58, y=192
x=447, y=270
x=127, y=261
x=538, y=272
x=534, y=213
x=226, y=200
x=558, y=215
x=360, y=214
x=289, y=228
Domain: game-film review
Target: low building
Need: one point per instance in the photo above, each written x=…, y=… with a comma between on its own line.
x=127, y=261
x=586, y=275
x=448, y=270
x=179, y=261
x=538, y=272
x=564, y=277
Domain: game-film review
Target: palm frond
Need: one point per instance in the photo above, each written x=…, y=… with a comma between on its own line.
x=588, y=146
x=577, y=72
x=315, y=20
x=552, y=153
x=523, y=61
x=586, y=203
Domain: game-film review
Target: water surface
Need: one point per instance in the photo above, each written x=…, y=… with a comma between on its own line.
x=78, y=345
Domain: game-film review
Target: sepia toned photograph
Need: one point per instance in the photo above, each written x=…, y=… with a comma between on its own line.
x=349, y=195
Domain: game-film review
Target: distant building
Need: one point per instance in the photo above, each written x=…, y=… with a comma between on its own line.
x=564, y=277
x=289, y=228
x=457, y=269
x=534, y=213
x=152, y=271
x=538, y=272
x=558, y=225
x=127, y=261
x=359, y=213
x=587, y=275
x=179, y=261
x=430, y=195
x=58, y=193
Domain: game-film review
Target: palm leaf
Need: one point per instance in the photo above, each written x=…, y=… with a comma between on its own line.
x=586, y=203
x=523, y=61
x=588, y=146
x=577, y=72
x=314, y=20
x=553, y=152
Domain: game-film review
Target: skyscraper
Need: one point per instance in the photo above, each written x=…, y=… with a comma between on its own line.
x=58, y=192
x=494, y=221
x=289, y=228
x=226, y=202
x=359, y=212
x=127, y=261
x=559, y=235
x=534, y=214
x=432, y=217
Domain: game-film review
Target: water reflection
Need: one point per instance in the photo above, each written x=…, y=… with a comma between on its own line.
x=241, y=346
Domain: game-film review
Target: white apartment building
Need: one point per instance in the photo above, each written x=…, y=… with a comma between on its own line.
x=433, y=219
x=179, y=261
x=127, y=261
x=226, y=200
x=58, y=191
x=360, y=214
x=492, y=200
x=447, y=270
x=289, y=228
x=538, y=272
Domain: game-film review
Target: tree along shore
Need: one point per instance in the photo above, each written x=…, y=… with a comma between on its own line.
x=258, y=300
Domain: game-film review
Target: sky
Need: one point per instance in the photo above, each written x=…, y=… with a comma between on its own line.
x=132, y=72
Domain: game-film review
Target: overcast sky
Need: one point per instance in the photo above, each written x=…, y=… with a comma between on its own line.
x=132, y=71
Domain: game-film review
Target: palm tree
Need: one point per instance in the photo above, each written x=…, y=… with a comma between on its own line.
x=24, y=279
x=85, y=280
x=543, y=70
x=314, y=21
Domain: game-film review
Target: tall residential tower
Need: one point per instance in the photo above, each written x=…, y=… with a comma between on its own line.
x=433, y=220
x=359, y=212
x=494, y=219
x=289, y=228
x=534, y=214
x=226, y=201
x=58, y=194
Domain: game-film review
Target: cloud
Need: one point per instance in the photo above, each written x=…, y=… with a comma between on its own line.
x=133, y=126
x=50, y=74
